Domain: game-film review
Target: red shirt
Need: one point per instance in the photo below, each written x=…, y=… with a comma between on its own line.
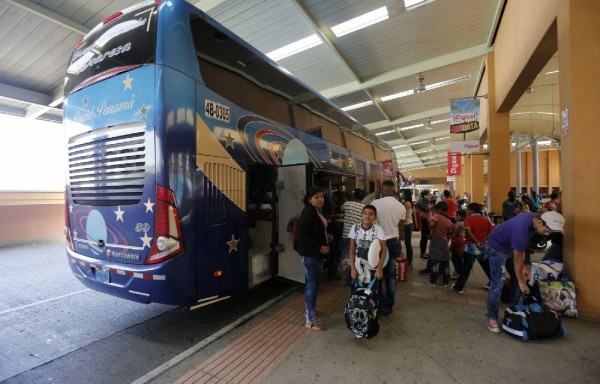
x=451, y=212
x=480, y=228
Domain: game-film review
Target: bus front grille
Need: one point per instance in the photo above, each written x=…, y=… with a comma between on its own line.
x=108, y=166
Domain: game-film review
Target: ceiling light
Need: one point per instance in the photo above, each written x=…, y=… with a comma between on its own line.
x=447, y=82
x=545, y=142
x=397, y=95
x=385, y=132
x=420, y=88
x=439, y=121
x=411, y=127
x=551, y=72
x=399, y=146
x=443, y=138
x=360, y=22
x=295, y=47
x=356, y=106
x=419, y=142
x=412, y=3
x=428, y=125
x=485, y=146
x=406, y=154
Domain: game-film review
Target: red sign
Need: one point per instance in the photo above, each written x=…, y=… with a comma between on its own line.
x=454, y=164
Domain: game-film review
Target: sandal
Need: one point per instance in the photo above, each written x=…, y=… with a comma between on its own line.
x=316, y=326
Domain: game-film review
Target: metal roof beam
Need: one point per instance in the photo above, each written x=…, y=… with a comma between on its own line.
x=409, y=70
x=405, y=119
x=23, y=95
x=34, y=111
x=47, y=14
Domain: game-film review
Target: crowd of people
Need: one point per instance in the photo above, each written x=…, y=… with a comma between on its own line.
x=455, y=232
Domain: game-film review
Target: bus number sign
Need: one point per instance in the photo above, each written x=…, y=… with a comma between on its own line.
x=216, y=111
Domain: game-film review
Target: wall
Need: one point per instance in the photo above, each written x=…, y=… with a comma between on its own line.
x=31, y=215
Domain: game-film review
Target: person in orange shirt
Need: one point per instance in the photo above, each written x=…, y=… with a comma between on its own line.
x=452, y=206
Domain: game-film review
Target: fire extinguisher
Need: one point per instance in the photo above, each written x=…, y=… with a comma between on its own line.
x=402, y=269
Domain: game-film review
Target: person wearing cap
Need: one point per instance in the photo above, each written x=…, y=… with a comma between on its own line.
x=507, y=241
x=554, y=252
x=352, y=211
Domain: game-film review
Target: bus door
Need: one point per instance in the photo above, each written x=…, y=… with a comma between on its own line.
x=261, y=221
x=292, y=186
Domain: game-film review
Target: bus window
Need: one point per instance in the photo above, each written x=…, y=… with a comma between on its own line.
x=122, y=41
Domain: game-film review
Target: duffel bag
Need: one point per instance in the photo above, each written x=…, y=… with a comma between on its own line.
x=532, y=322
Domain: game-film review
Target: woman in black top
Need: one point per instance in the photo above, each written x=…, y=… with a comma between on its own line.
x=312, y=245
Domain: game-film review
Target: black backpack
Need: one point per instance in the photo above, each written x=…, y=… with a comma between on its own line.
x=361, y=310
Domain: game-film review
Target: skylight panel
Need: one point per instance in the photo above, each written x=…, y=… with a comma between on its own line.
x=295, y=47
x=360, y=22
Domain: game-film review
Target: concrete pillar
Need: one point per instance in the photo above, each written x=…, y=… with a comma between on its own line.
x=535, y=164
x=519, y=184
x=477, y=178
x=579, y=82
x=498, y=144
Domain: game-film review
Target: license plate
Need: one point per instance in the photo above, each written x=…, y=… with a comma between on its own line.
x=103, y=276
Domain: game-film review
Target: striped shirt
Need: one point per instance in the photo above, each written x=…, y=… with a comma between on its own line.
x=352, y=211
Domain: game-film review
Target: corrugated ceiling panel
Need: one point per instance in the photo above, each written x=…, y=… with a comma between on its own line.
x=407, y=37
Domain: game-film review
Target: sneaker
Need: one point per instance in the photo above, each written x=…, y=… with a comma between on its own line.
x=424, y=271
x=446, y=285
x=492, y=325
x=487, y=285
x=433, y=284
x=454, y=276
x=458, y=290
x=424, y=256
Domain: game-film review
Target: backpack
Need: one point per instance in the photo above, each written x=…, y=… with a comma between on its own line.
x=532, y=322
x=361, y=310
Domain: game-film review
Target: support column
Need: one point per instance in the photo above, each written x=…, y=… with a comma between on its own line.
x=519, y=184
x=498, y=144
x=579, y=55
x=535, y=164
x=477, y=177
x=467, y=171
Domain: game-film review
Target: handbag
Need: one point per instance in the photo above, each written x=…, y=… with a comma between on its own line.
x=560, y=297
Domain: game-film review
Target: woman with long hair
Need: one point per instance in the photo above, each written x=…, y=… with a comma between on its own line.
x=313, y=247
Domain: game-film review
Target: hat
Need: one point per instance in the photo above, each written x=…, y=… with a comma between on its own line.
x=554, y=220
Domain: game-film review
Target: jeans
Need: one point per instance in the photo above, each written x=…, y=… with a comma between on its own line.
x=439, y=266
x=497, y=260
x=408, y=230
x=313, y=267
x=424, y=235
x=465, y=271
x=387, y=293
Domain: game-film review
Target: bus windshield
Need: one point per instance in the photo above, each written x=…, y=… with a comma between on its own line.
x=123, y=41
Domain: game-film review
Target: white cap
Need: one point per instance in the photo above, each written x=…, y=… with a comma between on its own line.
x=554, y=220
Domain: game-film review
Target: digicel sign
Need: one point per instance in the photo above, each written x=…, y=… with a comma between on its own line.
x=454, y=164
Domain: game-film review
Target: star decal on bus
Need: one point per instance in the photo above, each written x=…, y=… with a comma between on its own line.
x=143, y=111
x=119, y=214
x=229, y=139
x=149, y=206
x=127, y=83
x=146, y=239
x=233, y=243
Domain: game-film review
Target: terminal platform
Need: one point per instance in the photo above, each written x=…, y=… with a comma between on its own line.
x=434, y=335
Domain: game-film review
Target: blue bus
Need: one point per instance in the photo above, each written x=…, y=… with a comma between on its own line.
x=191, y=154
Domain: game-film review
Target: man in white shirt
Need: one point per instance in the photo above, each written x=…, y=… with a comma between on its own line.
x=391, y=215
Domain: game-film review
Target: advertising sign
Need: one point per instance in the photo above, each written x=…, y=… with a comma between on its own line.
x=464, y=116
x=454, y=164
x=468, y=146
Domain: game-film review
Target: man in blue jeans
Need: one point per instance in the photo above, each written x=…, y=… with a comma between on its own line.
x=508, y=241
x=391, y=215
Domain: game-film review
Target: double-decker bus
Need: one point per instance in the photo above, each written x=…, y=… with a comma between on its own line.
x=191, y=154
